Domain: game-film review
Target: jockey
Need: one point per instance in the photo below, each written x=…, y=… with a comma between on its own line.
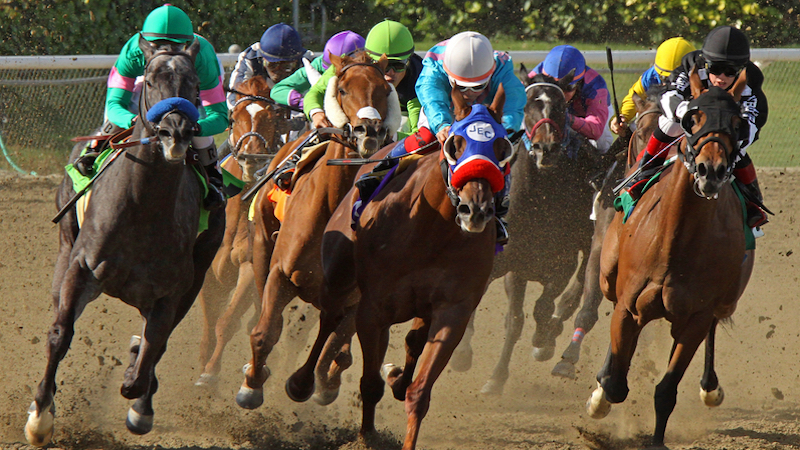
x=468, y=63
x=588, y=98
x=725, y=53
x=276, y=56
x=291, y=90
x=388, y=38
x=668, y=57
x=168, y=24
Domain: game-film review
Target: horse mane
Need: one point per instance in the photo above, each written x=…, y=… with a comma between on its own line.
x=254, y=86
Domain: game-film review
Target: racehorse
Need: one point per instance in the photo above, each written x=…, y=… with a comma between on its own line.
x=680, y=255
x=359, y=100
x=257, y=124
x=423, y=250
x=138, y=239
x=548, y=220
x=648, y=111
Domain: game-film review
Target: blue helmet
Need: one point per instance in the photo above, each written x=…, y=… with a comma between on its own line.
x=561, y=60
x=281, y=42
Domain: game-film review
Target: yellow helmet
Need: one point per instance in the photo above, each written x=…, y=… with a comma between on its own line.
x=670, y=53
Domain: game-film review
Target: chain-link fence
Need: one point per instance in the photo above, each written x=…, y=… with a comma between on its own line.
x=42, y=109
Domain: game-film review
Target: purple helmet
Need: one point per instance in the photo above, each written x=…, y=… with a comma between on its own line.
x=340, y=44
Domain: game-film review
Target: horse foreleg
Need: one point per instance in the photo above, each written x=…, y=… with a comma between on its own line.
x=397, y=378
x=336, y=357
x=548, y=326
x=229, y=322
x=687, y=340
x=374, y=339
x=279, y=291
x=446, y=329
x=515, y=320
x=74, y=290
x=710, y=391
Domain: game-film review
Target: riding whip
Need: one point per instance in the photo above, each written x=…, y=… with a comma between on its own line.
x=613, y=87
x=72, y=201
x=640, y=168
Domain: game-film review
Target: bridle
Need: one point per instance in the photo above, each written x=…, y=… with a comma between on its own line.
x=561, y=136
x=153, y=128
x=236, y=147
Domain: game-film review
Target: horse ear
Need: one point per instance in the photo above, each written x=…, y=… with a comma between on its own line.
x=147, y=47
x=383, y=62
x=695, y=83
x=460, y=107
x=336, y=60
x=192, y=49
x=523, y=74
x=497, y=104
x=564, y=82
x=739, y=85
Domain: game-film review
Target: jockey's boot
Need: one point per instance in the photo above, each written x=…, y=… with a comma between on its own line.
x=283, y=174
x=652, y=160
x=370, y=181
x=85, y=162
x=215, y=198
x=748, y=184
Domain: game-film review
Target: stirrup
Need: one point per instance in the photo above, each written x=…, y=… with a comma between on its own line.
x=502, y=231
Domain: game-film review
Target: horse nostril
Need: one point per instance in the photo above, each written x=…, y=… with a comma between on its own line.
x=464, y=209
x=721, y=172
x=702, y=170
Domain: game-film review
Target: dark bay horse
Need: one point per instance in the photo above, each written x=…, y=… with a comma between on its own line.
x=138, y=239
x=680, y=255
x=648, y=111
x=257, y=124
x=549, y=224
x=360, y=100
x=422, y=249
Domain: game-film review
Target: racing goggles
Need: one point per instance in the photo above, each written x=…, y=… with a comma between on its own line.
x=397, y=65
x=478, y=88
x=722, y=69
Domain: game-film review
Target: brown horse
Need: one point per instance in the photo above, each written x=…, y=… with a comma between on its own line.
x=257, y=124
x=359, y=99
x=423, y=250
x=680, y=255
x=648, y=111
x=138, y=239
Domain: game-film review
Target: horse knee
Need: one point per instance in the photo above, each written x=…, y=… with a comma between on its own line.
x=371, y=390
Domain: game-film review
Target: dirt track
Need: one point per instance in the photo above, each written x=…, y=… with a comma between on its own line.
x=757, y=362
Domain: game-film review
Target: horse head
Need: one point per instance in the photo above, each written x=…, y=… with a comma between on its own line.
x=168, y=104
x=546, y=128
x=257, y=124
x=711, y=125
x=359, y=99
x=648, y=110
x=477, y=152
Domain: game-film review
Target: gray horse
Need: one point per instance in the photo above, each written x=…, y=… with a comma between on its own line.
x=139, y=240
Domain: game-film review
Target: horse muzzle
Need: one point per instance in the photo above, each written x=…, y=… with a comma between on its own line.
x=174, y=152
x=473, y=216
x=369, y=136
x=709, y=179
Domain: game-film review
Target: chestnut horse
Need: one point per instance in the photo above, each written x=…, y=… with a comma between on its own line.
x=680, y=255
x=138, y=239
x=359, y=99
x=257, y=124
x=549, y=224
x=648, y=111
x=423, y=249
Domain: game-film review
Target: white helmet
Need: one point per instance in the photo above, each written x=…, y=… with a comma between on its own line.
x=469, y=59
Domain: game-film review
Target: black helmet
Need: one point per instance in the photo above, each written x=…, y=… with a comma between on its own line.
x=727, y=44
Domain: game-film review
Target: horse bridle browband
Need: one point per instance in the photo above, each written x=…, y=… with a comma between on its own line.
x=545, y=121
x=238, y=144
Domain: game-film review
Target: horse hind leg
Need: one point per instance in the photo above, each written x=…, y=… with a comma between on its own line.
x=515, y=320
x=710, y=390
x=548, y=325
x=334, y=360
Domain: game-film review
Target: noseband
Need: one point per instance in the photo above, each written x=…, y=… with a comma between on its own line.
x=560, y=135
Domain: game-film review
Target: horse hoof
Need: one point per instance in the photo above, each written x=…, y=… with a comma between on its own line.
x=712, y=398
x=543, y=353
x=564, y=369
x=573, y=353
x=296, y=393
x=492, y=387
x=390, y=370
x=39, y=429
x=597, y=406
x=135, y=342
x=249, y=398
x=461, y=360
x=206, y=380
x=138, y=423
x=325, y=397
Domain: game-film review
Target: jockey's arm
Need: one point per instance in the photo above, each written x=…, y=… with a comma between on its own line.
x=121, y=81
x=433, y=92
x=314, y=100
x=514, y=108
x=413, y=107
x=291, y=90
x=594, y=123
x=241, y=72
x=212, y=96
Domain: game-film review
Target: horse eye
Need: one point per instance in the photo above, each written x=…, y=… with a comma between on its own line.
x=342, y=92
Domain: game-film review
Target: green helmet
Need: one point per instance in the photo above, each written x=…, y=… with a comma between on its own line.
x=391, y=38
x=168, y=22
